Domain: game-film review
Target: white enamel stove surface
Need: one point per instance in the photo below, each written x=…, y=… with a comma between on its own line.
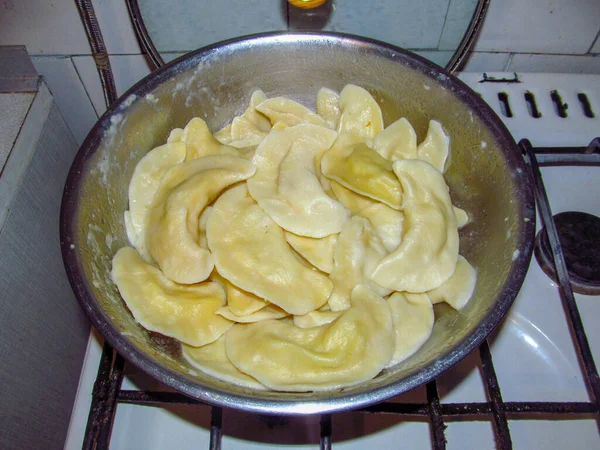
x=533, y=353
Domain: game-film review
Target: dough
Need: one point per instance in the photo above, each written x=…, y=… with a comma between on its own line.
x=184, y=312
x=286, y=185
x=200, y=142
x=289, y=112
x=250, y=250
x=352, y=349
x=429, y=250
x=318, y=252
x=328, y=107
x=397, y=141
x=173, y=219
x=436, y=146
x=266, y=313
x=362, y=170
x=240, y=302
x=459, y=288
x=412, y=315
x=212, y=359
x=360, y=113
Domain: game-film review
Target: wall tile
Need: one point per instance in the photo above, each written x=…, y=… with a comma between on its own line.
x=540, y=26
x=45, y=27
x=486, y=62
x=184, y=25
x=554, y=63
x=596, y=46
x=69, y=94
x=408, y=24
x=117, y=29
x=458, y=18
x=127, y=70
x=441, y=58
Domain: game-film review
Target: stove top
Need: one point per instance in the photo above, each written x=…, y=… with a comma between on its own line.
x=533, y=355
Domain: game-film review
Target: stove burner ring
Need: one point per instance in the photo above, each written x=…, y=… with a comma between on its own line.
x=579, y=235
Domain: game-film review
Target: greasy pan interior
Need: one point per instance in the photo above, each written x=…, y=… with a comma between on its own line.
x=487, y=178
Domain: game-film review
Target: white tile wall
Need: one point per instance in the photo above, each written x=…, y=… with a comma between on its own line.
x=540, y=26
x=69, y=94
x=554, y=63
x=532, y=35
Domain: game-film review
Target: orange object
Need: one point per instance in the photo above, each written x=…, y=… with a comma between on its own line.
x=306, y=4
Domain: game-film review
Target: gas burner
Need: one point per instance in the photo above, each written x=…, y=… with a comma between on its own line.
x=579, y=235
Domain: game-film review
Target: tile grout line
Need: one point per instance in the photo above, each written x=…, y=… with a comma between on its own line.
x=87, y=94
x=508, y=62
x=596, y=39
x=443, y=25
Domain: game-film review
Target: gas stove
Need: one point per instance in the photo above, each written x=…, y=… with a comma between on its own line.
x=526, y=388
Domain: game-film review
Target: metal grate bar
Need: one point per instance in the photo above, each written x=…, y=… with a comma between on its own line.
x=216, y=428
x=495, y=396
x=153, y=398
x=104, y=399
x=436, y=422
x=573, y=315
x=325, y=441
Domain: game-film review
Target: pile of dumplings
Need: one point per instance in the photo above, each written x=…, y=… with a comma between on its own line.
x=293, y=250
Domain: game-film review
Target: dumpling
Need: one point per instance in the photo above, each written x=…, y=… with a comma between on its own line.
x=352, y=349
x=267, y=313
x=436, y=146
x=360, y=113
x=183, y=312
x=286, y=185
x=462, y=218
x=316, y=318
x=289, y=112
x=412, y=315
x=212, y=359
x=173, y=219
x=362, y=170
x=202, y=227
x=200, y=142
x=397, y=141
x=248, y=129
x=459, y=288
x=143, y=186
x=176, y=135
x=428, y=252
x=250, y=250
x=386, y=221
x=328, y=107
x=318, y=252
x=357, y=252
x=240, y=302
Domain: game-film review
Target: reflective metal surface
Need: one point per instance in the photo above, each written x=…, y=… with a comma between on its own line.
x=487, y=177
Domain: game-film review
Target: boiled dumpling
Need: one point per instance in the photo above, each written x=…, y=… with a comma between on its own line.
x=289, y=112
x=202, y=242
x=286, y=185
x=318, y=252
x=176, y=135
x=357, y=251
x=267, y=313
x=386, y=221
x=240, y=302
x=352, y=349
x=183, y=312
x=173, y=219
x=436, y=146
x=316, y=318
x=360, y=113
x=212, y=359
x=413, y=318
x=200, y=142
x=429, y=249
x=459, y=288
x=361, y=169
x=143, y=186
x=248, y=129
x=462, y=218
x=250, y=250
x=328, y=107
x=397, y=141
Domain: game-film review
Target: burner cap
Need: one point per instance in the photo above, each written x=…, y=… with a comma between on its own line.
x=579, y=235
